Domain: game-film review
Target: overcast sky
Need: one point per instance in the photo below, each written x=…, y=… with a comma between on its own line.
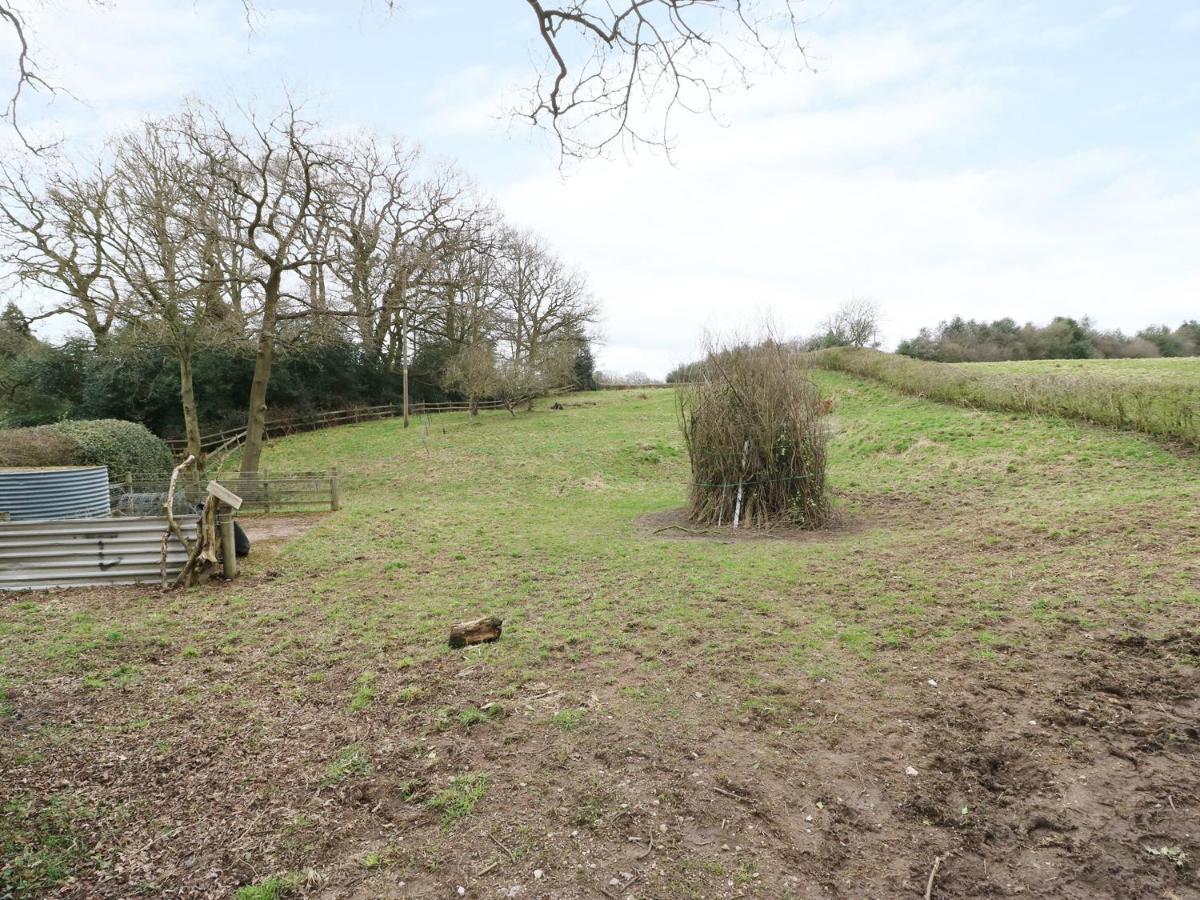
x=975, y=157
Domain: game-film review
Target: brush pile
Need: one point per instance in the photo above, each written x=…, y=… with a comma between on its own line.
x=753, y=430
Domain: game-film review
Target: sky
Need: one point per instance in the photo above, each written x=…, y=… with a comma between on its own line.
x=982, y=158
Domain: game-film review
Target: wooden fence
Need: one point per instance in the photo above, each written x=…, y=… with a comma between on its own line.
x=261, y=493
x=231, y=438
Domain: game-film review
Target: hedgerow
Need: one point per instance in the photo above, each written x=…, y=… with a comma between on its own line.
x=1160, y=408
x=122, y=446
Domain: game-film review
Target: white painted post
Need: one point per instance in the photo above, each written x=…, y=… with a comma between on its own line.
x=737, y=507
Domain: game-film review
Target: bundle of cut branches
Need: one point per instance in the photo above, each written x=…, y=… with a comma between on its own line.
x=753, y=430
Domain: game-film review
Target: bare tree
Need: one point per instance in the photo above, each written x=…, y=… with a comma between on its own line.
x=619, y=69
x=473, y=372
x=271, y=175
x=162, y=245
x=27, y=77
x=612, y=70
x=854, y=324
x=53, y=232
x=544, y=310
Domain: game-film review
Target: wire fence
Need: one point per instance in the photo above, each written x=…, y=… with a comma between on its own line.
x=146, y=494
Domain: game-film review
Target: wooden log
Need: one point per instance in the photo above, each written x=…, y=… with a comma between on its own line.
x=479, y=631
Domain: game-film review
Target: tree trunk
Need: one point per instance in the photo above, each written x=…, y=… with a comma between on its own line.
x=256, y=414
x=191, y=418
x=474, y=406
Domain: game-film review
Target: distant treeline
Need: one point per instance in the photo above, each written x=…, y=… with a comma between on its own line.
x=855, y=324
x=968, y=340
x=132, y=376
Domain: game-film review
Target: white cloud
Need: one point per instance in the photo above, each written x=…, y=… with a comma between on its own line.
x=787, y=215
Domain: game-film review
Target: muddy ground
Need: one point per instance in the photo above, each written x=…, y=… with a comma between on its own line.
x=1074, y=775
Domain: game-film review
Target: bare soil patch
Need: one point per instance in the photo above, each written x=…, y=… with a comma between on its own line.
x=278, y=528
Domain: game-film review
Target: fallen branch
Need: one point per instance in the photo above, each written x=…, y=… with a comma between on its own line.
x=172, y=525
x=487, y=868
x=496, y=841
x=742, y=797
x=701, y=532
x=937, y=864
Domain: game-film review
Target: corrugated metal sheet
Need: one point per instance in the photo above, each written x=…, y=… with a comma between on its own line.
x=58, y=493
x=74, y=552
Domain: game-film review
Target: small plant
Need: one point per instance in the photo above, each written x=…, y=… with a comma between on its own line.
x=458, y=800
x=471, y=716
x=297, y=823
x=568, y=719
x=409, y=693
x=274, y=888
x=364, y=694
x=350, y=761
x=410, y=789
x=1174, y=854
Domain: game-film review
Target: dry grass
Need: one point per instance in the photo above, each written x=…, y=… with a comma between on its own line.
x=755, y=440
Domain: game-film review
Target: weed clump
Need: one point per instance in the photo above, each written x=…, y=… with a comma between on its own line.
x=350, y=761
x=753, y=431
x=458, y=800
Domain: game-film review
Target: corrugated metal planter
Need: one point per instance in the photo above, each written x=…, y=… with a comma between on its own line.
x=51, y=553
x=54, y=493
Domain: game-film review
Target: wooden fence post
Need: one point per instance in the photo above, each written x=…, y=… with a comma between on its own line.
x=128, y=482
x=228, y=544
x=266, y=486
x=335, y=490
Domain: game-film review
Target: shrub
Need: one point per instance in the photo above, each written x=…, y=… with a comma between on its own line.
x=754, y=436
x=33, y=447
x=122, y=446
x=1163, y=409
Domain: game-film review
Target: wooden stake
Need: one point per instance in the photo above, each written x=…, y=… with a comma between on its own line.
x=228, y=545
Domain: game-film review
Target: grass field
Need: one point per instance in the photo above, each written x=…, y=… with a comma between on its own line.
x=992, y=655
x=1184, y=370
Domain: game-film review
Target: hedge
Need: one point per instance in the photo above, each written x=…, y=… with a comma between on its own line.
x=122, y=446
x=1164, y=409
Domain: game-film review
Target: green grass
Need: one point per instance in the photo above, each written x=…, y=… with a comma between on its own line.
x=458, y=800
x=969, y=539
x=39, y=846
x=350, y=761
x=364, y=692
x=568, y=719
x=274, y=888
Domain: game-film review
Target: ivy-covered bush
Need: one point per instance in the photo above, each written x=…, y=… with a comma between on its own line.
x=122, y=446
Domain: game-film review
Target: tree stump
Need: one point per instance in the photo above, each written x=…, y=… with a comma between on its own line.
x=478, y=631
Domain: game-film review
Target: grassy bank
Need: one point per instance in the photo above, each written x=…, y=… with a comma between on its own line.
x=1159, y=400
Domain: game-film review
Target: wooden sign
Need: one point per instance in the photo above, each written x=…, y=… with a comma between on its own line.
x=226, y=496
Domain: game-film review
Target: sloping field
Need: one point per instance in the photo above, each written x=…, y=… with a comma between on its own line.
x=990, y=662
